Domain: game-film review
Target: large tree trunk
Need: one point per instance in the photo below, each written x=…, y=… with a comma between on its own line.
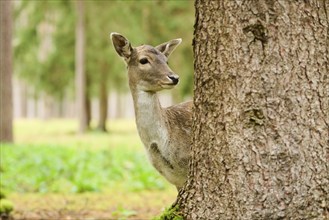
x=80, y=68
x=261, y=120
x=6, y=107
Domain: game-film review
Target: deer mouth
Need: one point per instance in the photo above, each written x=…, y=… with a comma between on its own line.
x=170, y=82
x=168, y=85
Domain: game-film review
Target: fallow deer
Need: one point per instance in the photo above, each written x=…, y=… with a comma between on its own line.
x=165, y=132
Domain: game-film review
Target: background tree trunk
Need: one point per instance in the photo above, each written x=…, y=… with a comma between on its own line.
x=6, y=109
x=80, y=68
x=102, y=106
x=260, y=133
x=24, y=97
x=103, y=97
x=88, y=108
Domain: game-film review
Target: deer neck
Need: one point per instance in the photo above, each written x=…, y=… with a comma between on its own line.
x=149, y=117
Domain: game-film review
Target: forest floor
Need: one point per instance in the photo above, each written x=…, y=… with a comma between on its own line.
x=91, y=206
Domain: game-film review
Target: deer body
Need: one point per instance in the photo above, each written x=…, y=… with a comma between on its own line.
x=165, y=132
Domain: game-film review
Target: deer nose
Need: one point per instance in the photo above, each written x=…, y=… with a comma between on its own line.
x=174, y=79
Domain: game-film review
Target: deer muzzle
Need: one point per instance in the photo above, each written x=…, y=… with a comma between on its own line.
x=174, y=78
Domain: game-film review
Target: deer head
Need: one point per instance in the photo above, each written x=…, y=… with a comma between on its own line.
x=148, y=68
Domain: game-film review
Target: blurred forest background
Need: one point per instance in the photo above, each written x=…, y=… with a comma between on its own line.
x=45, y=66
x=76, y=151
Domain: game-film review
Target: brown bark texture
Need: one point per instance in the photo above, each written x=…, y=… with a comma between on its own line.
x=261, y=114
x=6, y=69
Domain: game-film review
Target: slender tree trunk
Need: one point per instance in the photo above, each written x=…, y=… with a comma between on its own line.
x=119, y=110
x=24, y=98
x=261, y=120
x=87, y=102
x=48, y=111
x=61, y=107
x=80, y=67
x=35, y=105
x=103, y=96
x=6, y=109
x=88, y=109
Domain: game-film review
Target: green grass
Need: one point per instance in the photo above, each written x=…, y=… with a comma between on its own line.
x=49, y=157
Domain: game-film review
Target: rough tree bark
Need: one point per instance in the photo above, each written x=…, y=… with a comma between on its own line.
x=261, y=120
x=6, y=69
x=80, y=68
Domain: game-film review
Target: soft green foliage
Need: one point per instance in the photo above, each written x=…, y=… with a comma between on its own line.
x=122, y=213
x=44, y=41
x=6, y=206
x=55, y=168
x=44, y=45
x=2, y=193
x=171, y=213
x=50, y=157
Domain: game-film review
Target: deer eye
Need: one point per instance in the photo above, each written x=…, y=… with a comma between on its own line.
x=143, y=61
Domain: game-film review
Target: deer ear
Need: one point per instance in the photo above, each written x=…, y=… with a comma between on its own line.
x=168, y=47
x=121, y=45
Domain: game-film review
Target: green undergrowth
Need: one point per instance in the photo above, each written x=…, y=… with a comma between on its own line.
x=6, y=206
x=56, y=168
x=171, y=213
x=50, y=157
x=51, y=168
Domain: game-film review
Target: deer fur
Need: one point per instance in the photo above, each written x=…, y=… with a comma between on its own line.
x=165, y=132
